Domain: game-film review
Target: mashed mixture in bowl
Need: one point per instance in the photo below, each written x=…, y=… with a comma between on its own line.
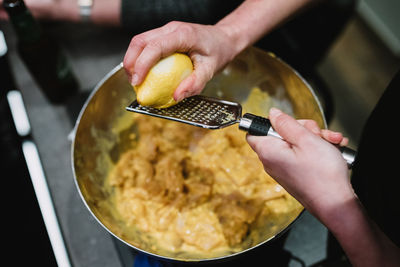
x=196, y=191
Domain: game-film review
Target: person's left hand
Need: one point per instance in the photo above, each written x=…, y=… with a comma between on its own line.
x=208, y=47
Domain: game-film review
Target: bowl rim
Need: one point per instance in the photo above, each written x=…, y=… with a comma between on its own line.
x=166, y=258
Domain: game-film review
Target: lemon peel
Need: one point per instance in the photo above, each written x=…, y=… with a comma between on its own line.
x=158, y=87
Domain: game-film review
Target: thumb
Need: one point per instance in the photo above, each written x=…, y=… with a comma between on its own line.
x=272, y=151
x=193, y=84
x=287, y=127
x=184, y=89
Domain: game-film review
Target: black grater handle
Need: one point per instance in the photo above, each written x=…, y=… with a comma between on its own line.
x=259, y=126
x=255, y=125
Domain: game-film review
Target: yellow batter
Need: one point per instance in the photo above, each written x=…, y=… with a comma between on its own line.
x=195, y=190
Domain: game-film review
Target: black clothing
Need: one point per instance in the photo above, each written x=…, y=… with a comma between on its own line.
x=375, y=176
x=149, y=14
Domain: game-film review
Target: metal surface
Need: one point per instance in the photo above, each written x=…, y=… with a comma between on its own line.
x=97, y=142
x=201, y=111
x=349, y=156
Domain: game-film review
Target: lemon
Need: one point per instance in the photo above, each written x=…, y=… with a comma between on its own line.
x=158, y=87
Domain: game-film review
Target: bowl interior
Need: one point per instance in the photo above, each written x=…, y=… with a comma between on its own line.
x=103, y=127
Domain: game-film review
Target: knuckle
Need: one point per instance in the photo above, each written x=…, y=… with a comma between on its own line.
x=185, y=29
x=127, y=64
x=173, y=24
x=312, y=126
x=155, y=45
x=138, y=41
x=207, y=70
x=203, y=75
x=281, y=121
x=155, y=51
x=312, y=123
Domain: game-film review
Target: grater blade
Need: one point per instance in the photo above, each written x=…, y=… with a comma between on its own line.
x=199, y=110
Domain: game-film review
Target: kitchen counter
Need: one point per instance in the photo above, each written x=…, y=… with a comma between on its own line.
x=93, y=52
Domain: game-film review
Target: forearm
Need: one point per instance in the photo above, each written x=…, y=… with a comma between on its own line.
x=362, y=240
x=255, y=18
x=103, y=11
x=106, y=12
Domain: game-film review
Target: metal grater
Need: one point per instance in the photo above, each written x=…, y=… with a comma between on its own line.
x=213, y=113
x=201, y=111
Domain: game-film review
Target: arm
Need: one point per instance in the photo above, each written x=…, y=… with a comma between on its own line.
x=313, y=171
x=362, y=240
x=210, y=47
x=255, y=18
x=103, y=11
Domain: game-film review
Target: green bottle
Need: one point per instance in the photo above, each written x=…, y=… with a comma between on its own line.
x=41, y=54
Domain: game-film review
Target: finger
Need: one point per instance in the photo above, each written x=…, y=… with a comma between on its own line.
x=139, y=42
x=331, y=136
x=136, y=47
x=193, y=84
x=270, y=150
x=290, y=130
x=159, y=48
x=344, y=142
x=311, y=125
x=184, y=89
x=149, y=56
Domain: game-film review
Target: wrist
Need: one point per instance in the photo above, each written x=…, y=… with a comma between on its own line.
x=65, y=11
x=106, y=12
x=237, y=40
x=361, y=239
x=85, y=9
x=342, y=218
x=334, y=207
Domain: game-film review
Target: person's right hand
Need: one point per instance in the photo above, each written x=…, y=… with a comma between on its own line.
x=310, y=168
x=208, y=47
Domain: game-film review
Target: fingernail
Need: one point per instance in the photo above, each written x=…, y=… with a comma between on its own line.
x=274, y=111
x=187, y=94
x=134, y=79
x=182, y=96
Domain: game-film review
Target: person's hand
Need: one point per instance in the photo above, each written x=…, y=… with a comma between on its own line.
x=333, y=137
x=310, y=168
x=207, y=46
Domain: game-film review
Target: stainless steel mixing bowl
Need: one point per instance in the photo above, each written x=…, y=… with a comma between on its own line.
x=101, y=134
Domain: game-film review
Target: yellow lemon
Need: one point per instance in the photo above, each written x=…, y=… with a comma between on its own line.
x=158, y=87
